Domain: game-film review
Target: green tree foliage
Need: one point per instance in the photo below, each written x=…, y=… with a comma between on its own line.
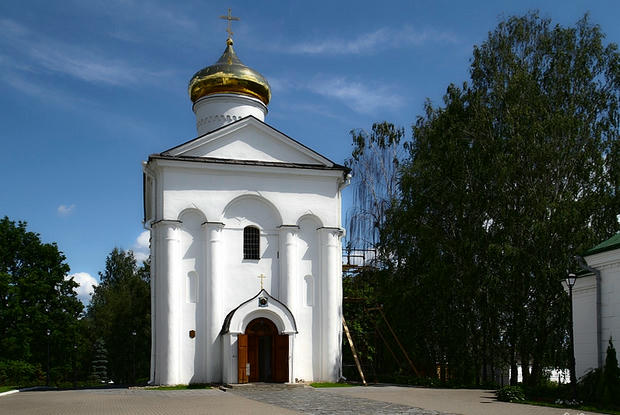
x=99, y=367
x=120, y=307
x=35, y=296
x=516, y=174
x=375, y=162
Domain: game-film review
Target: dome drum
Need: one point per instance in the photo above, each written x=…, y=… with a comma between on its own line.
x=217, y=110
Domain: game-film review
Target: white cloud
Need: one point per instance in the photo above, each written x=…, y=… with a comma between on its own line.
x=86, y=285
x=363, y=97
x=370, y=42
x=156, y=15
x=360, y=97
x=40, y=53
x=168, y=18
x=65, y=210
x=84, y=65
x=140, y=257
x=142, y=241
x=11, y=28
x=141, y=247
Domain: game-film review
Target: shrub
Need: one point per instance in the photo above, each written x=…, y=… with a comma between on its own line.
x=602, y=386
x=589, y=386
x=547, y=391
x=610, y=390
x=19, y=373
x=510, y=394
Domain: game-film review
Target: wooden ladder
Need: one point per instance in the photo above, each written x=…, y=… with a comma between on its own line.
x=357, y=360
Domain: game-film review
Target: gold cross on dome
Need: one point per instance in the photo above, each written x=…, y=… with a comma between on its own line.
x=262, y=277
x=230, y=18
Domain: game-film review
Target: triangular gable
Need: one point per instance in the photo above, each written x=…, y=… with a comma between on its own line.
x=249, y=139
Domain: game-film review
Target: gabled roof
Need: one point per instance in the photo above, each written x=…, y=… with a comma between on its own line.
x=608, y=245
x=249, y=141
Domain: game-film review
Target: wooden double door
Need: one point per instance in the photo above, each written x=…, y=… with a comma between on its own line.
x=262, y=353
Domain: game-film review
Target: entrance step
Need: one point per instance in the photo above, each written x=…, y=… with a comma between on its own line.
x=264, y=386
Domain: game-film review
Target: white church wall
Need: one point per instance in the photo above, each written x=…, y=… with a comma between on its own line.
x=331, y=303
x=608, y=263
x=308, y=315
x=584, y=317
x=610, y=306
x=192, y=280
x=229, y=358
x=154, y=315
x=242, y=280
x=167, y=304
x=215, y=302
x=210, y=191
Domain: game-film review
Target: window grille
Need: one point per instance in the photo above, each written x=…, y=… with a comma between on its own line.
x=251, y=243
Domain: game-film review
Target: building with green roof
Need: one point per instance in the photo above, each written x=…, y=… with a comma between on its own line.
x=596, y=304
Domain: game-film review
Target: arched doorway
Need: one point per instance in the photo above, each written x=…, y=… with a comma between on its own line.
x=262, y=353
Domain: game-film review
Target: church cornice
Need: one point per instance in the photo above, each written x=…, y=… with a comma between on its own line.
x=332, y=229
x=215, y=162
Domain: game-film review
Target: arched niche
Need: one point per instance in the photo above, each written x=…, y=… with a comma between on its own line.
x=190, y=213
x=308, y=244
x=191, y=235
x=311, y=219
x=251, y=210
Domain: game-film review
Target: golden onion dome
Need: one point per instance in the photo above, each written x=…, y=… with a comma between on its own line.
x=229, y=76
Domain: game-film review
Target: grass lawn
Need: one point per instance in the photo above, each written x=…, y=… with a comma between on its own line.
x=181, y=387
x=330, y=385
x=7, y=388
x=580, y=408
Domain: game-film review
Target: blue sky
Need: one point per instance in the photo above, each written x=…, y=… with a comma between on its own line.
x=88, y=89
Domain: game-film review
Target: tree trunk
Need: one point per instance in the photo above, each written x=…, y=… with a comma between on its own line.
x=525, y=369
x=514, y=374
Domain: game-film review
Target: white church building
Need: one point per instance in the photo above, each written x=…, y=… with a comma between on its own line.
x=245, y=229
x=596, y=305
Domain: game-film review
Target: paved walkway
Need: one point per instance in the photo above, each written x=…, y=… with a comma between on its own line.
x=460, y=401
x=317, y=401
x=269, y=401
x=133, y=402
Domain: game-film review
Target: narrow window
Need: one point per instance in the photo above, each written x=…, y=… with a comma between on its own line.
x=251, y=243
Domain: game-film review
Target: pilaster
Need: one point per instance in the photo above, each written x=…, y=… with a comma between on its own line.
x=331, y=293
x=168, y=296
x=154, y=315
x=214, y=288
x=288, y=289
